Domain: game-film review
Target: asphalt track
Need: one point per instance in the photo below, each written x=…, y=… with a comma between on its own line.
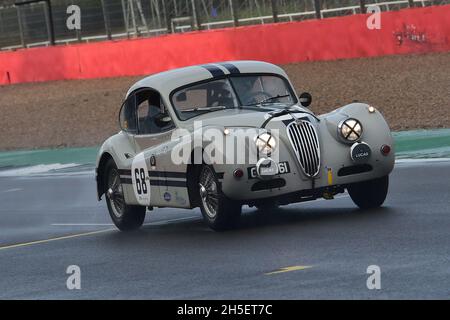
x=50, y=222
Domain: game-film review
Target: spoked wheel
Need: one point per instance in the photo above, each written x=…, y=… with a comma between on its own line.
x=209, y=192
x=124, y=216
x=115, y=193
x=219, y=212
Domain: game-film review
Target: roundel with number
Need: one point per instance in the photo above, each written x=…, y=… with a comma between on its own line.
x=141, y=180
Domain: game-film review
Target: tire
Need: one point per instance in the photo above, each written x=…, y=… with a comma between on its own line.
x=124, y=216
x=219, y=212
x=369, y=194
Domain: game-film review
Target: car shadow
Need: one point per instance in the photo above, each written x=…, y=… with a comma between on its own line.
x=253, y=219
x=289, y=215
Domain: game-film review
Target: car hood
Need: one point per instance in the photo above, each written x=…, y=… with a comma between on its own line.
x=235, y=117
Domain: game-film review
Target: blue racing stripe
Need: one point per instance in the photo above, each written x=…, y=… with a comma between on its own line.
x=231, y=68
x=215, y=71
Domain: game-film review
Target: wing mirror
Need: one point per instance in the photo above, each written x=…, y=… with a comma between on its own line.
x=162, y=120
x=305, y=99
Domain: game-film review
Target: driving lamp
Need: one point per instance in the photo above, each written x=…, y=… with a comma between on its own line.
x=350, y=130
x=265, y=143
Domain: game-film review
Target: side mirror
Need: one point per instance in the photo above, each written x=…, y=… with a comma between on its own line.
x=162, y=120
x=305, y=99
x=181, y=97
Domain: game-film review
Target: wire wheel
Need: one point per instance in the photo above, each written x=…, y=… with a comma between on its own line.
x=115, y=193
x=209, y=192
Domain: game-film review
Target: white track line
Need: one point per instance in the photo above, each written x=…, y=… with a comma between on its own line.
x=110, y=224
x=11, y=190
x=420, y=160
x=72, y=236
x=170, y=221
x=81, y=224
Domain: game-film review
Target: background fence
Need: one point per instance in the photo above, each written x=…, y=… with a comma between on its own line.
x=29, y=23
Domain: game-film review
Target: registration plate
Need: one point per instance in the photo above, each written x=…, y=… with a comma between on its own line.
x=283, y=168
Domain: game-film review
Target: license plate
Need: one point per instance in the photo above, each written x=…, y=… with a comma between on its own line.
x=283, y=168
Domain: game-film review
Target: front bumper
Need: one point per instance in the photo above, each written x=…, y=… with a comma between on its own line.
x=337, y=169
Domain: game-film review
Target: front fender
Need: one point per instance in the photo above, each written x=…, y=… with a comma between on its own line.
x=120, y=149
x=376, y=133
x=374, y=125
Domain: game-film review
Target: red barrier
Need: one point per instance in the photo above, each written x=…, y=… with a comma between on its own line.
x=417, y=30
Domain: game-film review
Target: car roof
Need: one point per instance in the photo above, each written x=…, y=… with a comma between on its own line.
x=166, y=82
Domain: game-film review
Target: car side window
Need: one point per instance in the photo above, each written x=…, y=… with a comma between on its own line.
x=152, y=114
x=127, y=116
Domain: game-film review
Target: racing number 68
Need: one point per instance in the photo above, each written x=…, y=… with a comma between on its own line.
x=141, y=185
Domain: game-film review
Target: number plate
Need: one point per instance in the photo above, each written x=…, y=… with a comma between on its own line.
x=283, y=168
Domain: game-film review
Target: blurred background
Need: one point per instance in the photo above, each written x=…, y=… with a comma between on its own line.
x=30, y=23
x=83, y=113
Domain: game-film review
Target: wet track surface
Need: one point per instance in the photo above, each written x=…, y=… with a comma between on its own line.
x=176, y=256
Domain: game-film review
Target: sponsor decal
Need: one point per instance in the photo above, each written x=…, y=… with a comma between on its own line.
x=410, y=34
x=153, y=161
x=360, y=152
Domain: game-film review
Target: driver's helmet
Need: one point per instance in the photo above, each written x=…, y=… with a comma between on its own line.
x=222, y=95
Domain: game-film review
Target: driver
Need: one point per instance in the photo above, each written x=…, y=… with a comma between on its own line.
x=221, y=96
x=150, y=123
x=247, y=86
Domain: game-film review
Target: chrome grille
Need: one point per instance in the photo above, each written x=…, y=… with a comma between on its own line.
x=304, y=140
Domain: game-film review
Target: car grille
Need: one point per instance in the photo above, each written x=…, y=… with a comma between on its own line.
x=304, y=140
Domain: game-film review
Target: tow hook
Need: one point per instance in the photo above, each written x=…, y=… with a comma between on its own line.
x=328, y=195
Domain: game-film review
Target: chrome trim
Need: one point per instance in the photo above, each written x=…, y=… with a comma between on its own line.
x=305, y=142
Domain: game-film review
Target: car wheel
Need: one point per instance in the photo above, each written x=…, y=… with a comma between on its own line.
x=369, y=194
x=124, y=216
x=219, y=212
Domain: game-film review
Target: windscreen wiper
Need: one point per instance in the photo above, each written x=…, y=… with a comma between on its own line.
x=252, y=108
x=269, y=99
x=205, y=109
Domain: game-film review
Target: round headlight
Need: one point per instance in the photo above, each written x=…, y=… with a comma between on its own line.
x=351, y=130
x=265, y=143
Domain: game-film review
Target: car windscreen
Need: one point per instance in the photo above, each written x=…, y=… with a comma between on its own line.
x=230, y=92
x=253, y=90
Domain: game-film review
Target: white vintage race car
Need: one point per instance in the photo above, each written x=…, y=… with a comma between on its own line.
x=222, y=135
